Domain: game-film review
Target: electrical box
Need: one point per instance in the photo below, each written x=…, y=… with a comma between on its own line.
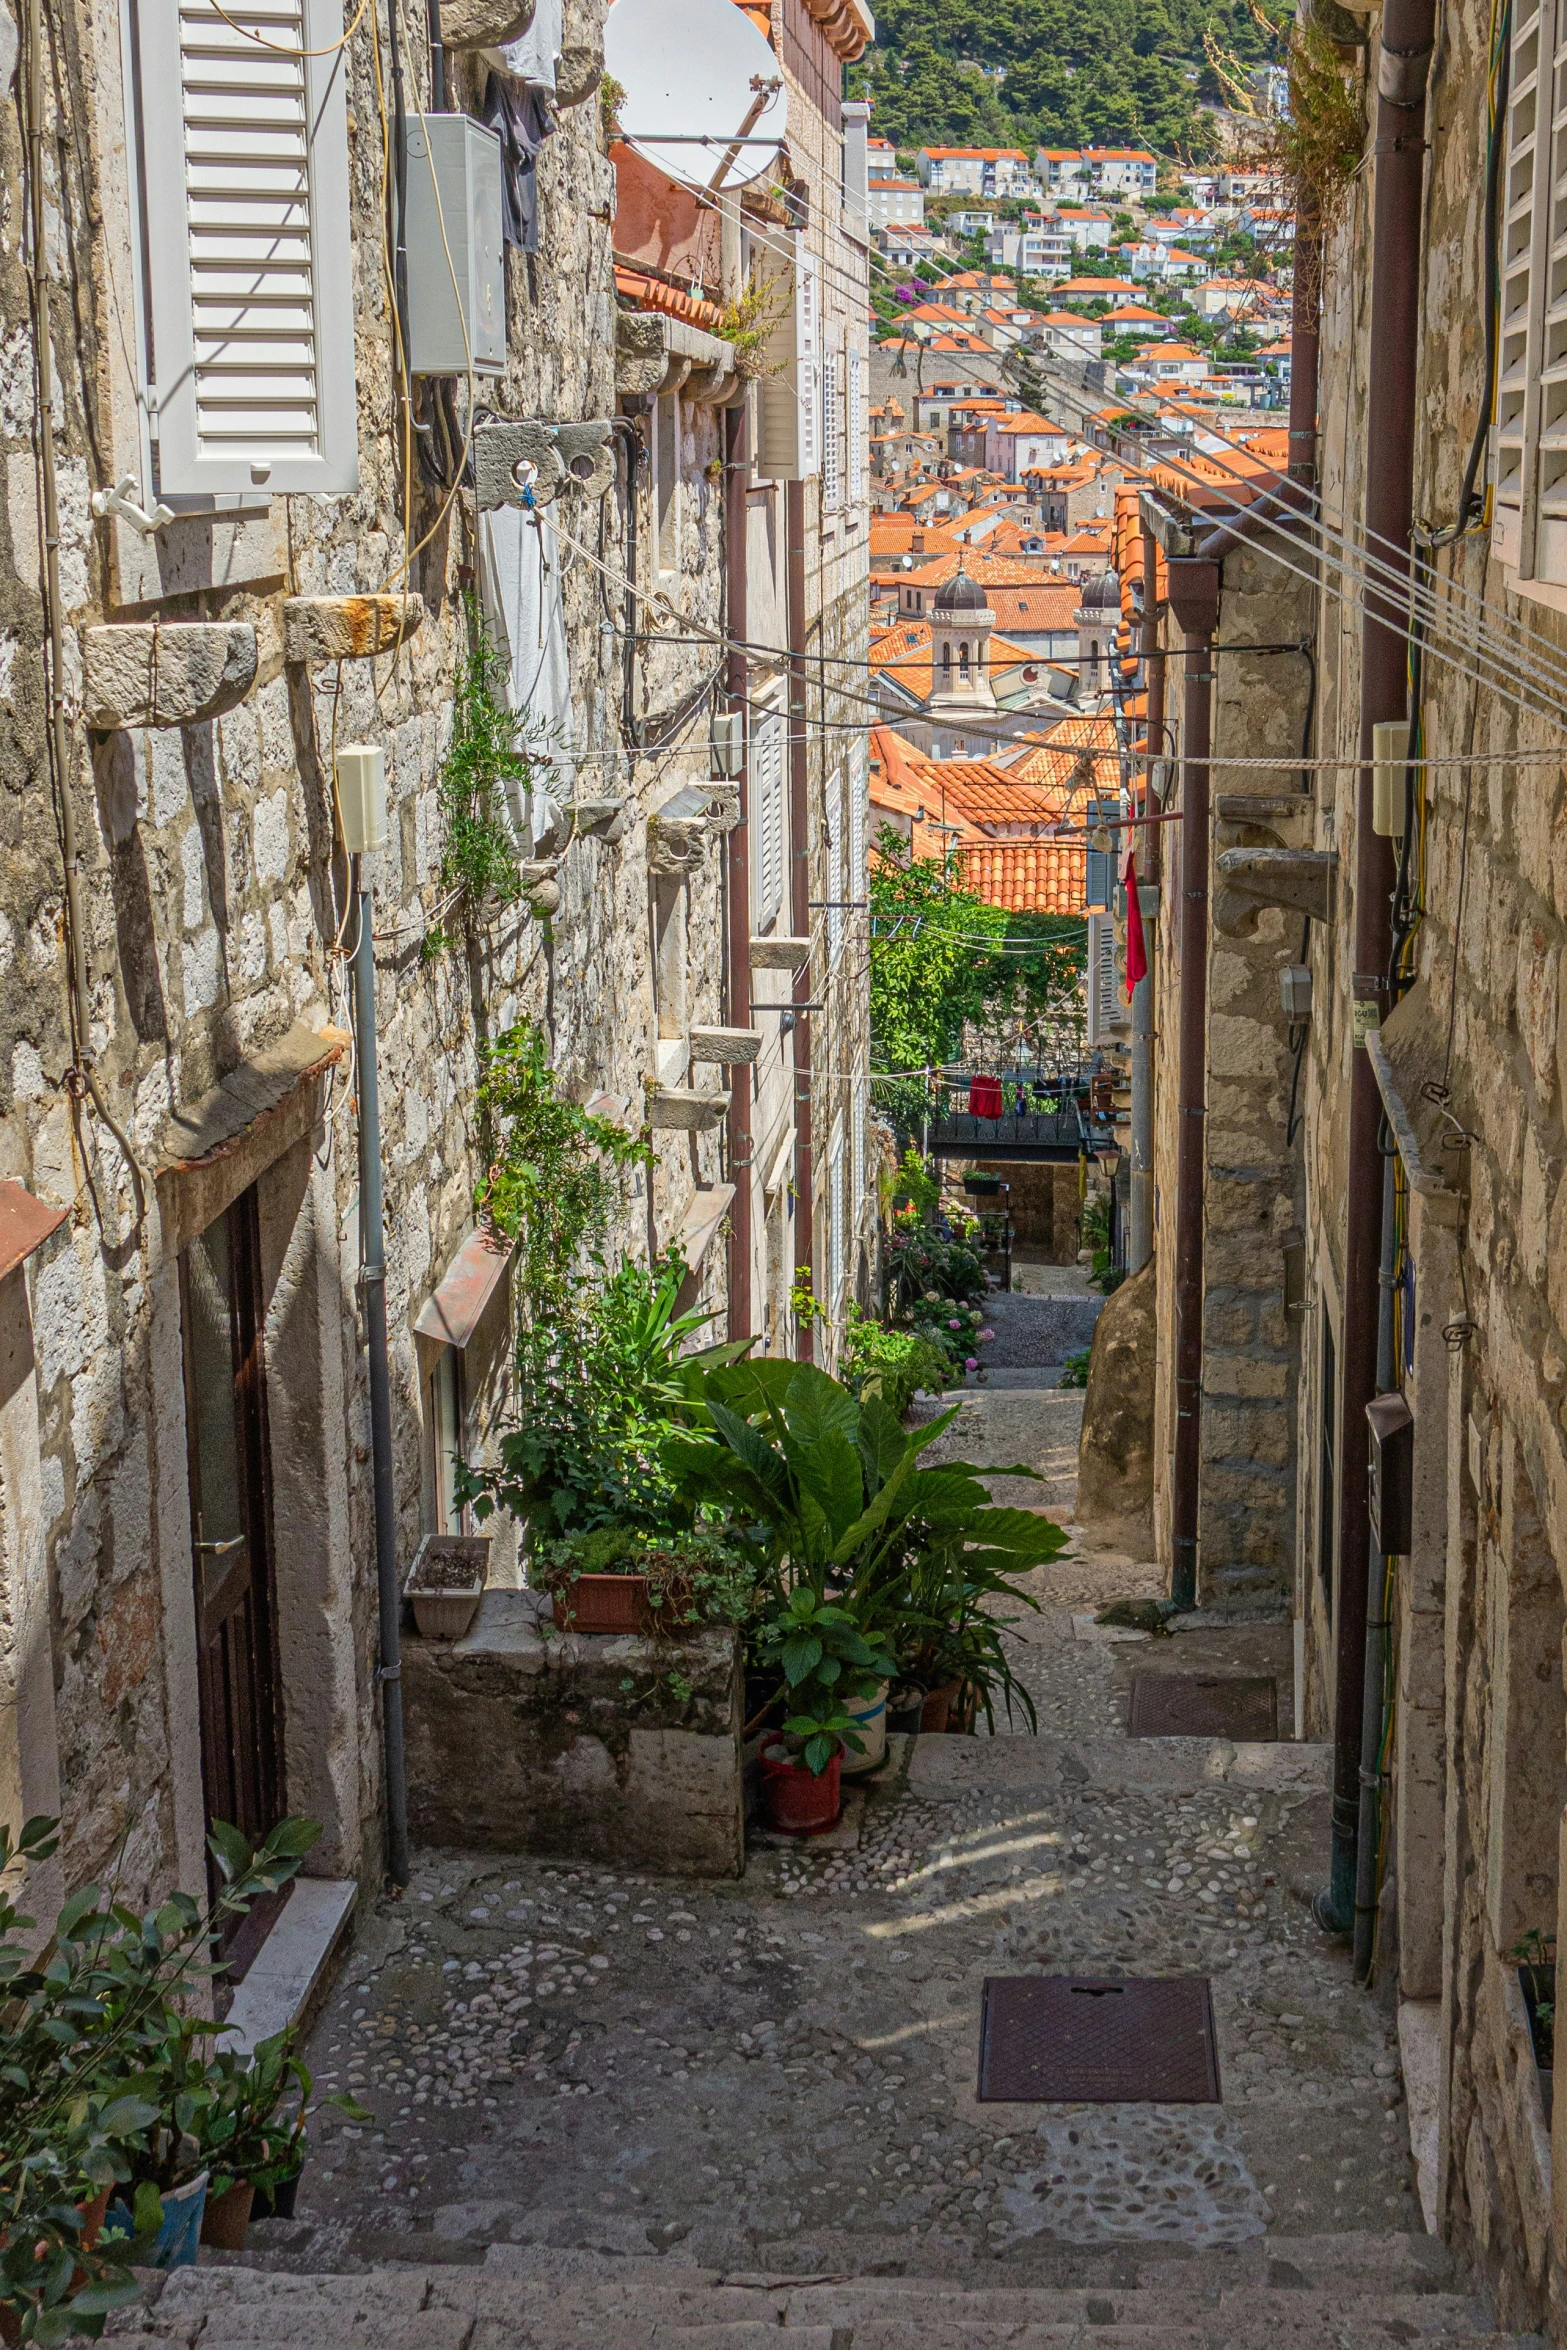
x=361, y=797
x=1391, y=1429
x=1295, y=993
x=456, y=261
x=1389, y=751
x=728, y=732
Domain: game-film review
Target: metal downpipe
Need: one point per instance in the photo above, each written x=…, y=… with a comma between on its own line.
x=737, y=851
x=1194, y=600
x=1140, y=1220
x=800, y=902
x=372, y=1285
x=1407, y=34
x=1373, y=1706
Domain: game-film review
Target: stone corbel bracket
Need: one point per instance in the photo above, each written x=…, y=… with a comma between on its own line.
x=684, y=1113
x=598, y=819
x=1250, y=880
x=726, y=1045
x=141, y=673
x=1250, y=820
x=780, y=954
x=347, y=628
x=540, y=889
x=485, y=24
x=678, y=832
x=655, y=354
x=578, y=459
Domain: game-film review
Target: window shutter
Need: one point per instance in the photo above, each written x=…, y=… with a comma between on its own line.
x=788, y=396
x=857, y=1129
x=835, y=1250
x=250, y=279
x=836, y=889
x=1104, y=1004
x=832, y=430
x=767, y=819
x=859, y=800
x=856, y=426
x=1529, y=442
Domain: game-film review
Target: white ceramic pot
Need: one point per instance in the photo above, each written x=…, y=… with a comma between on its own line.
x=869, y=1716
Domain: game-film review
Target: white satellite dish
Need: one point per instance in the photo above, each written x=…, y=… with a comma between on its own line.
x=698, y=77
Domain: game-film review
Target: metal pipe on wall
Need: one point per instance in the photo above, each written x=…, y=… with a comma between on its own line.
x=737, y=483
x=800, y=902
x=1408, y=31
x=1194, y=600
x=1377, y=1631
x=1305, y=338
x=372, y=1283
x=1140, y=1203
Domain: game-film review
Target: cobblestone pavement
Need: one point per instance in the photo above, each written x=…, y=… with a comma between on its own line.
x=779, y=2074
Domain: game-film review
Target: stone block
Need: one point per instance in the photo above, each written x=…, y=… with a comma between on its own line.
x=1249, y=1376
x=134, y=674
x=521, y=1740
x=685, y=1113
x=347, y=628
x=484, y=24
x=780, y=954
x=726, y=1045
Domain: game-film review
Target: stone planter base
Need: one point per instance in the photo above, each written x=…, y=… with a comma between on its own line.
x=523, y=1739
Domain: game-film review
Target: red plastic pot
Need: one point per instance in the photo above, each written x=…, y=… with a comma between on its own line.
x=796, y=1802
x=937, y=1710
x=603, y=1603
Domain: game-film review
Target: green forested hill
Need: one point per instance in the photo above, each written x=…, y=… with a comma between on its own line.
x=1071, y=72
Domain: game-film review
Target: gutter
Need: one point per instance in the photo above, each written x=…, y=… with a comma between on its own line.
x=1403, y=64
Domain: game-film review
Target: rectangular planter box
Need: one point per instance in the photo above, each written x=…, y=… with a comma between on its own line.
x=446, y=1583
x=603, y=1603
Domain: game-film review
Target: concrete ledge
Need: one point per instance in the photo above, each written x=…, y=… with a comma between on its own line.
x=954, y=1766
x=619, y=1749
x=347, y=628
x=289, y=1974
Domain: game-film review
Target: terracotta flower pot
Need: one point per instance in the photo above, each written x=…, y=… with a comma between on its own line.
x=798, y=1802
x=226, y=2220
x=936, y=1713
x=603, y=1603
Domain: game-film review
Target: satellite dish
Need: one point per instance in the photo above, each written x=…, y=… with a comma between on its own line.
x=694, y=86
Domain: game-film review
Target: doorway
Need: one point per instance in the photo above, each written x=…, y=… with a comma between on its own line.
x=222, y=1316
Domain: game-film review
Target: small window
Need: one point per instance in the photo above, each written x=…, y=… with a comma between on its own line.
x=445, y=1402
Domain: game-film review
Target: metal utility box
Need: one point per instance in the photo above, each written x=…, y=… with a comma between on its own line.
x=1295, y=993
x=456, y=261
x=1391, y=1431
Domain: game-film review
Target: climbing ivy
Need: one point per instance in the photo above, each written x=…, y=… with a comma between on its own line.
x=495, y=750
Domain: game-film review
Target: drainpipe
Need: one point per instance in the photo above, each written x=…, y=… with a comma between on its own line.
x=1140, y=1221
x=1403, y=64
x=737, y=476
x=1305, y=340
x=372, y=1282
x=1194, y=600
x=1377, y=1630
x=800, y=901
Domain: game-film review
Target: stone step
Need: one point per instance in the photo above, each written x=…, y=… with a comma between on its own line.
x=587, y=2305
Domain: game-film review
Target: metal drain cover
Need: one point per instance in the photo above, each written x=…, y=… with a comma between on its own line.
x=1203, y=1705
x=1091, y=2040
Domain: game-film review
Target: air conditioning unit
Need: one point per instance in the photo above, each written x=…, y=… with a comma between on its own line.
x=456, y=260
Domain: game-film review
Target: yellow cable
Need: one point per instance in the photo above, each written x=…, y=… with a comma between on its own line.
x=283, y=48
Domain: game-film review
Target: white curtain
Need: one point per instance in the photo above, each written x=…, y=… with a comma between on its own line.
x=525, y=608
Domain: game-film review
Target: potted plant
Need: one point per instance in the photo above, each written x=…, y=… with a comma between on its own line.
x=446, y=1583
x=825, y=1664
x=95, y=2104
x=1535, y=1958
x=246, y=2138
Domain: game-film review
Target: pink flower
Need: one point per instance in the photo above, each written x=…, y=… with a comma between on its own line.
x=987, y=1334
x=972, y=1364
x=954, y=1324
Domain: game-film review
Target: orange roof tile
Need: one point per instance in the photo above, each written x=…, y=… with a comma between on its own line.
x=1026, y=877
x=650, y=293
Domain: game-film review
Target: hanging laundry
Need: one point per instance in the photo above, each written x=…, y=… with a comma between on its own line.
x=985, y=1098
x=535, y=54
x=522, y=119
x=524, y=608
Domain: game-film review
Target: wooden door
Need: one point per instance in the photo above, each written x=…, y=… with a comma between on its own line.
x=231, y=1522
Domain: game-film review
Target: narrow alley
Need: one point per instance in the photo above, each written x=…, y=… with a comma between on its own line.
x=618, y=2109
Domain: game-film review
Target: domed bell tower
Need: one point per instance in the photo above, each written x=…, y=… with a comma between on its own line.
x=960, y=625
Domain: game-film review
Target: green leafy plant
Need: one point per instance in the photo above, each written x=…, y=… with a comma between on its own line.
x=705, y=1575
x=748, y=323
x=840, y=1505
x=90, y=2093
x=496, y=754
x=1534, y=1955
x=1074, y=1371
x=824, y=1658
x=894, y=1364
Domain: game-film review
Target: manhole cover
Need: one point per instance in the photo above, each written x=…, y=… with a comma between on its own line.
x=1203, y=1705
x=1081, y=2039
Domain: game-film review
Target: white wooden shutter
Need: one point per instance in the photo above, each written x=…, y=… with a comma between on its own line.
x=837, y=878
x=1529, y=441
x=1104, y=996
x=859, y=803
x=832, y=430
x=251, y=291
x=835, y=1249
x=859, y=1138
x=855, y=425
x=788, y=418
x=767, y=819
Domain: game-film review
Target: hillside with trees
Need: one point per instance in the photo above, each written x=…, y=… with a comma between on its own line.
x=1056, y=73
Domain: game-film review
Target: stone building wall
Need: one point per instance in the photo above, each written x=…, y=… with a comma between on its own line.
x=214, y=917
x=1251, y=1206
x=1480, y=1726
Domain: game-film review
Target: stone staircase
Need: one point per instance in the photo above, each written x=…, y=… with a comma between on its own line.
x=1352, y=2292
